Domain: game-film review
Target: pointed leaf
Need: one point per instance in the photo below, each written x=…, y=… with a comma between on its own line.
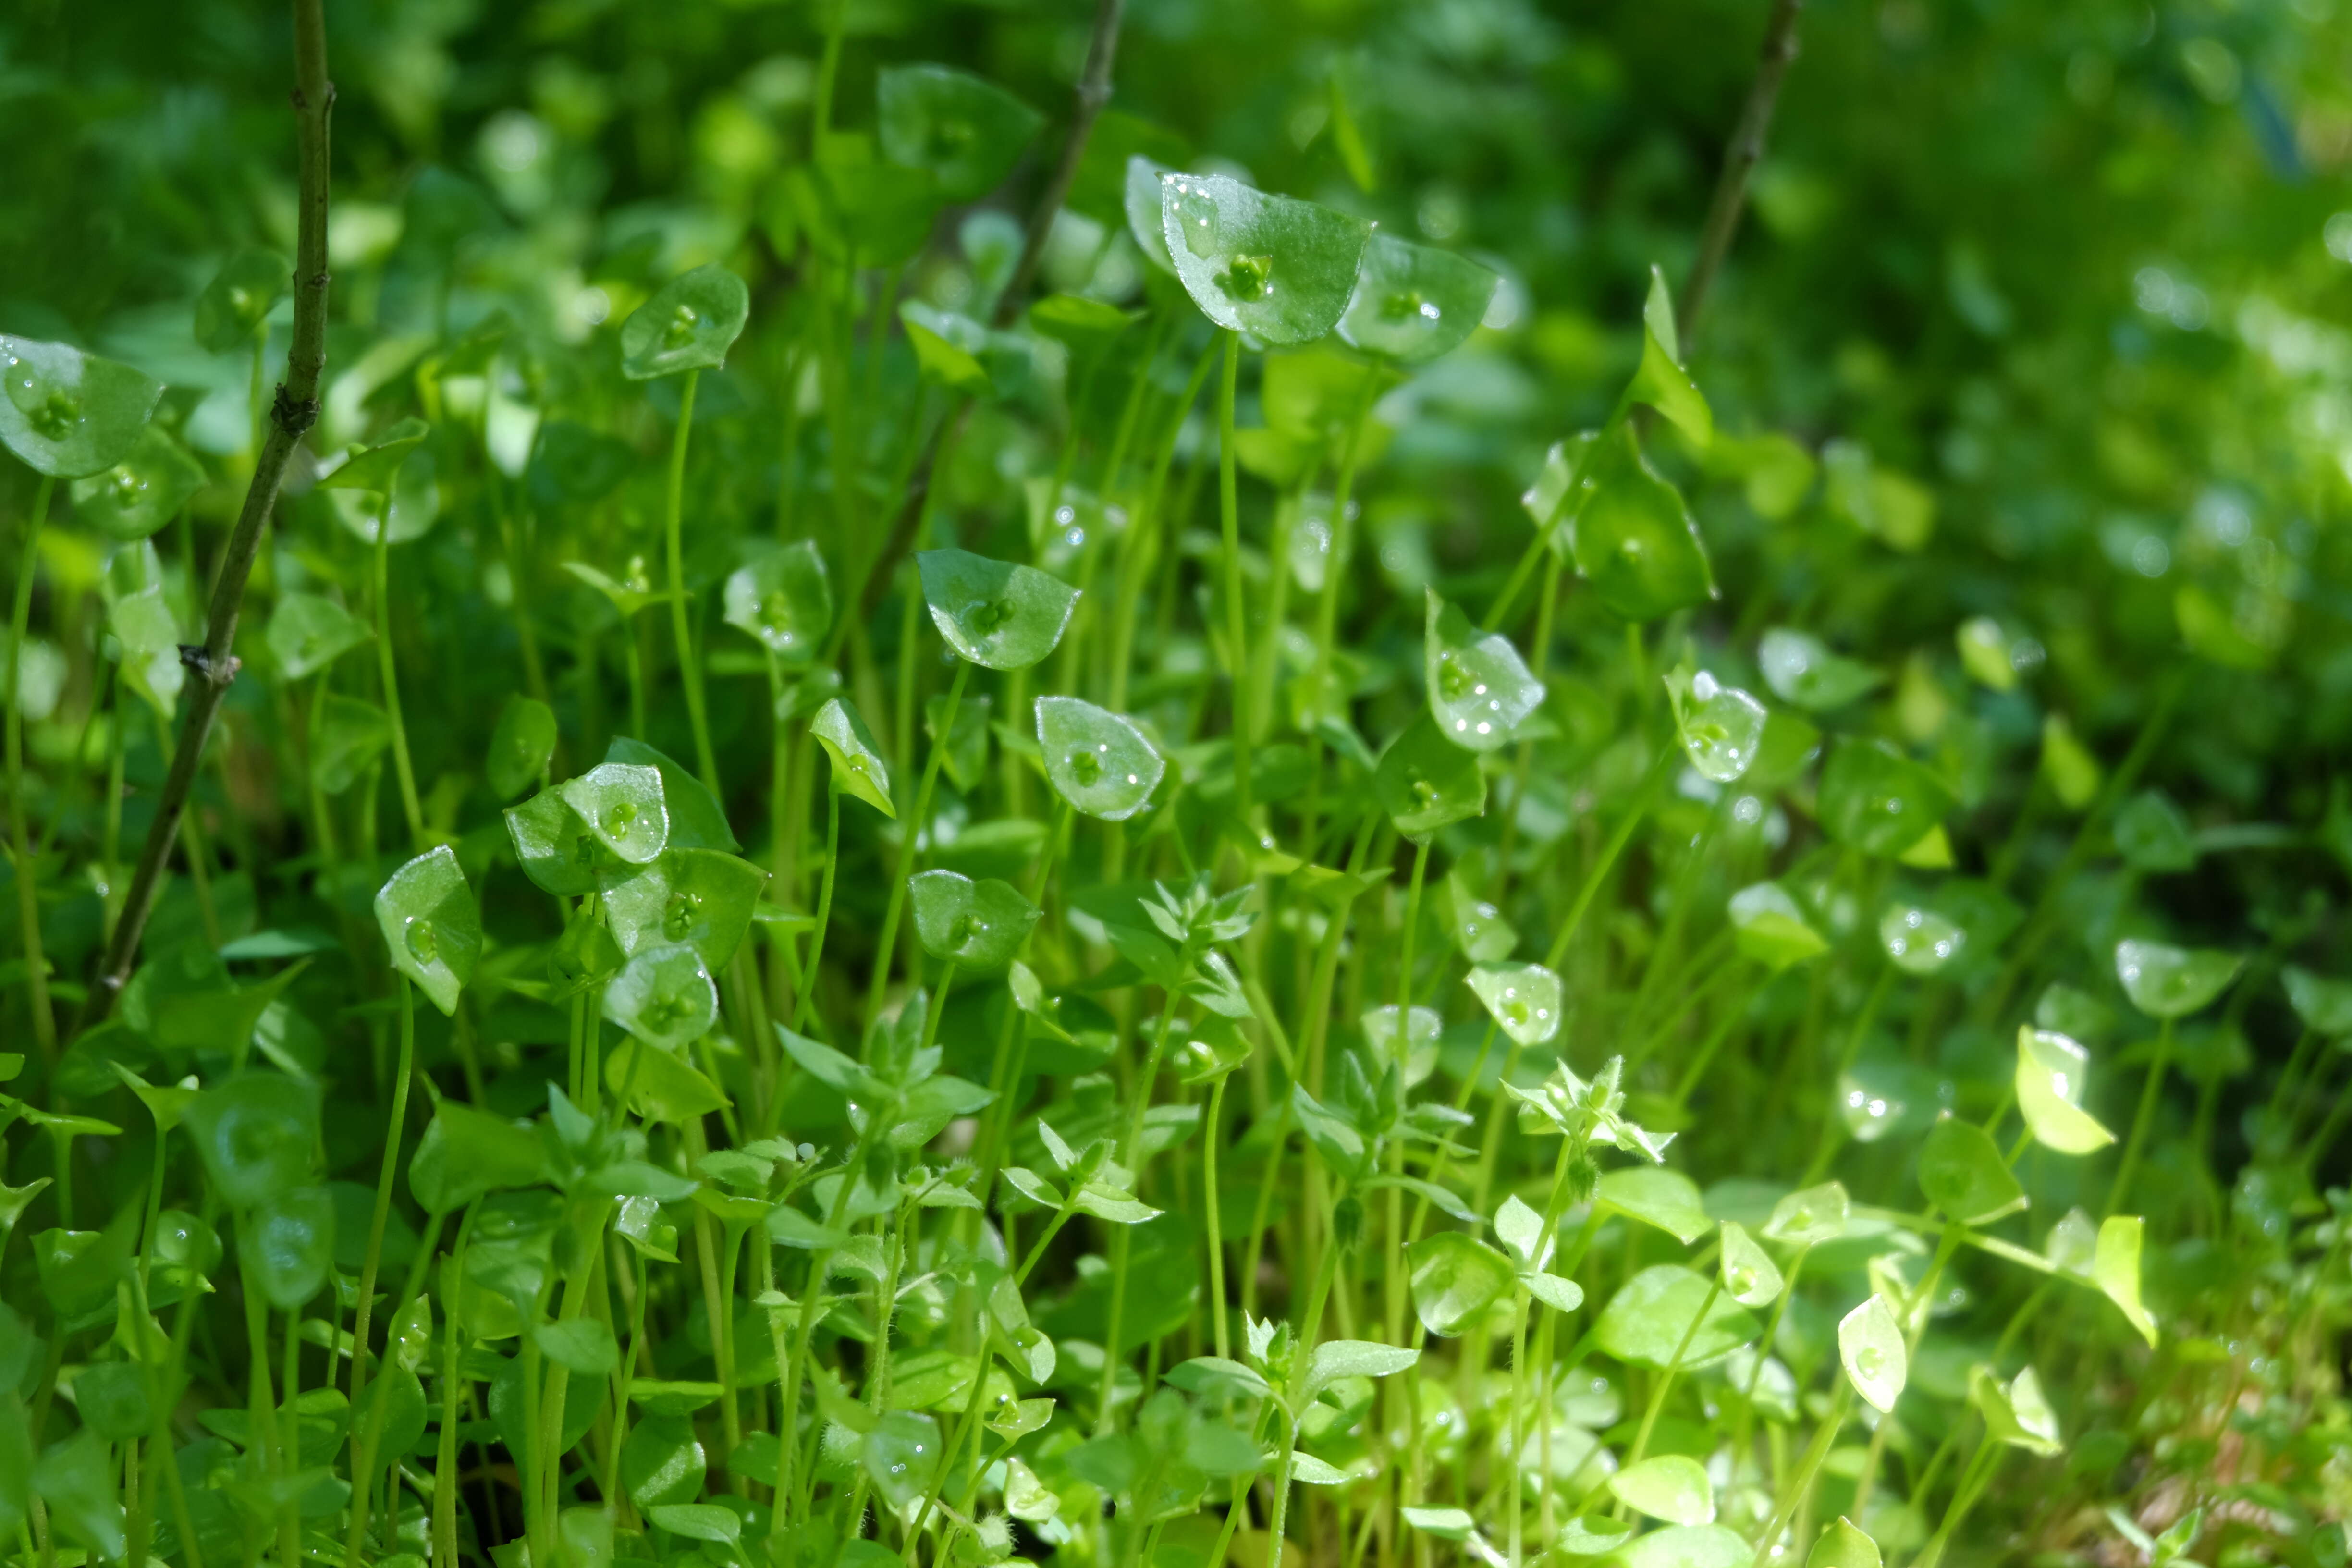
x=67, y=413
x=994, y=613
x=1637, y=543
x=1278, y=268
x=689, y=324
x=1871, y=1346
x=429, y=922
x=1412, y=303
x=858, y=765
x=2052, y=1073
x=663, y=996
x=1095, y=760
x=141, y=492
x=1425, y=782
x=974, y=925
x=783, y=598
x=1479, y=688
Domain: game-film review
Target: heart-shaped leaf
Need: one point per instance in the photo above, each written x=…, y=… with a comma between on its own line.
x=1768, y=926
x=142, y=492
x=1749, y=1275
x=1918, y=940
x=374, y=466
x=992, y=612
x=690, y=324
x=519, y=746
x=858, y=765
x=289, y=1241
x=1660, y=380
x=785, y=599
x=1276, y=268
x=1425, y=782
x=1524, y=999
x=1647, y=1320
x=1412, y=303
x=1962, y=1173
x=701, y=898
x=1479, y=688
x=555, y=848
x=429, y=922
x=1097, y=760
x=1637, y=543
x=1671, y=1486
x=663, y=996
x=973, y=925
x=67, y=413
x=623, y=803
x=255, y=1134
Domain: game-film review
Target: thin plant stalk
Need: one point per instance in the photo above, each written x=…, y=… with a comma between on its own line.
x=28, y=905
x=1236, y=610
x=673, y=539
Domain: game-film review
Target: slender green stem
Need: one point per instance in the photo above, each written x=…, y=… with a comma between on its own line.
x=681, y=627
x=2151, y=1091
x=387, y=670
x=29, y=904
x=1236, y=608
x=383, y=1213
x=910, y=833
x=1212, y=1215
x=824, y=905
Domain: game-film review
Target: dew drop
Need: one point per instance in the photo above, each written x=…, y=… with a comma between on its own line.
x=423, y=945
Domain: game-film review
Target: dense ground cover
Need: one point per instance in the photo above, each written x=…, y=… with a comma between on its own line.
x=1373, y=839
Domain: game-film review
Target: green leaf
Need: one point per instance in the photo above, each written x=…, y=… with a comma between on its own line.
x=662, y=1463
x=991, y=612
x=697, y=820
x=1278, y=268
x=2153, y=835
x=466, y=1153
x=1445, y=1523
x=660, y=1087
x=554, y=846
x=973, y=925
x=2015, y=1413
x=2115, y=1268
x=584, y=1346
x=1637, y=543
x=1721, y=727
x=963, y=131
x=689, y=324
x=405, y=507
x=230, y=310
x=1669, y=1487
x=948, y=347
x=1645, y=1321
x=1593, y=1535
x=67, y=413
x=1454, y=1280
x=1479, y=689
x=429, y=922
x=1425, y=782
x=624, y=805
x=2074, y=773
x=142, y=492
x=1962, y=1173
x=702, y=898
x=1801, y=669
x=858, y=765
x=1876, y=799
x=289, y=1239
x=1561, y=1295
x=111, y=1399
x=1687, y=1546
x=663, y=996
x=1657, y=1196
x=2324, y=1005
x=1095, y=760
x=1524, y=999
x=697, y=1521
x=374, y=467
x=1749, y=1275
x=1412, y=303
x=519, y=746
x=1660, y=380
x=307, y=632
x=1335, y=1359
x=2166, y=981
x=1082, y=323
x=75, y=1479
x=2052, y=1073
x=1844, y=1545
x=785, y=599
x=1870, y=1344
x=1768, y=926
x=901, y=1455
x=1140, y=192
x=254, y=1135
x=964, y=747
x=1918, y=940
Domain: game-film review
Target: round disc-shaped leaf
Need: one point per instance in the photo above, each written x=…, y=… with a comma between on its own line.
x=858, y=765
x=519, y=746
x=292, y=1239
x=1963, y=1174
x=1455, y=1277
x=964, y=132
x=623, y=805
x=1412, y=302
x=67, y=413
x=1637, y=543
x=785, y=600
x=1524, y=999
x=429, y=922
x=143, y=491
x=1648, y=1320
x=992, y=612
x=2166, y=981
x=1097, y=761
x=1671, y=1486
x=973, y=925
x=689, y=324
x=1768, y=926
x=663, y=996
x=240, y=296
x=702, y=898
x=308, y=632
x=254, y=1135
x=1425, y=782
x=2052, y=1070
x=1870, y=1344
x=1876, y=800
x=1801, y=669
x=1720, y=727
x=1276, y=268
x=554, y=846
x=1919, y=940
x=1479, y=688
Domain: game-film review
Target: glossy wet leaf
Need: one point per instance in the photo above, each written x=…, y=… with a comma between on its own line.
x=697, y=820
x=2167, y=981
x=1963, y=1174
x=964, y=132
x=1768, y=926
x=554, y=846
x=2115, y=1268
x=858, y=765
x=255, y=1134
x=1919, y=939
x=292, y=1238
x=1657, y=1196
x=663, y=996
x=142, y=492
x=992, y=612
x=1593, y=1535
x=702, y=898
x=783, y=598
x=1874, y=799
x=374, y=466
x=1660, y=380
x=1870, y=1345
x=230, y=310
x=1669, y=1487
x=1749, y=1275
x=1425, y=782
x=1412, y=303
x=625, y=806
x=1844, y=1545
x=1281, y=270
x=431, y=925
x=307, y=632
x=662, y=1462
x=1097, y=760
x=519, y=746
x=1801, y=669
x=971, y=924
x=1480, y=929
x=1637, y=543
x=690, y=324
x=1455, y=1277
x=1479, y=689
x=2015, y=1413
x=900, y=1456
x=1721, y=727
x=1645, y=1321
x=67, y=413
x=1524, y=999
x=2052, y=1073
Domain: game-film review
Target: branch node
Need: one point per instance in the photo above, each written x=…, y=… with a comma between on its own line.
x=294, y=418
x=193, y=656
